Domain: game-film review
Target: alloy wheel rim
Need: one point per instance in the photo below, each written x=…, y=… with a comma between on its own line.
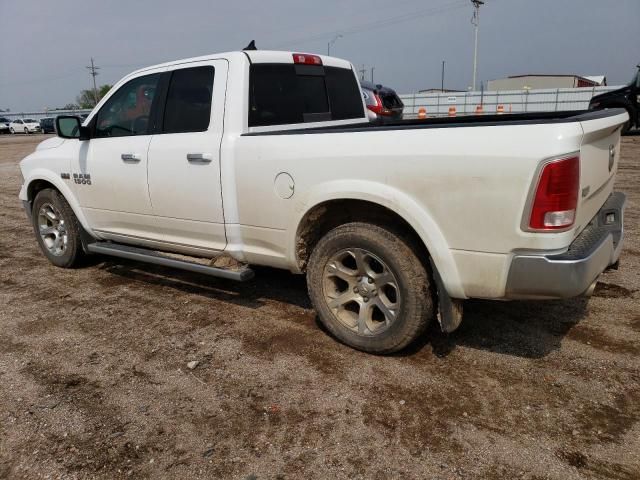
x=361, y=291
x=52, y=229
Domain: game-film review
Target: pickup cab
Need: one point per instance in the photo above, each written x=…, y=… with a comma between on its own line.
x=217, y=163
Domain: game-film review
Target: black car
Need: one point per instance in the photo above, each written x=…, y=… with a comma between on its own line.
x=47, y=125
x=383, y=103
x=4, y=125
x=626, y=97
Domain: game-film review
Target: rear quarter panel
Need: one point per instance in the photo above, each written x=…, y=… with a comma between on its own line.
x=461, y=188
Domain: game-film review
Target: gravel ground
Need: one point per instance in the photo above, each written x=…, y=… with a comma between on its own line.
x=94, y=381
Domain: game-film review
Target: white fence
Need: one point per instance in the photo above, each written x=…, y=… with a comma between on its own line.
x=437, y=104
x=41, y=114
x=512, y=101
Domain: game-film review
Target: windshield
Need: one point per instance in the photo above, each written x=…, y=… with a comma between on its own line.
x=29, y=120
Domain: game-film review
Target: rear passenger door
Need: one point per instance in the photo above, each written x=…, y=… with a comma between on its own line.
x=184, y=157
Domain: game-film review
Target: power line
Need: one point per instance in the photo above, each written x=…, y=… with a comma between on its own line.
x=94, y=73
x=362, y=71
x=379, y=23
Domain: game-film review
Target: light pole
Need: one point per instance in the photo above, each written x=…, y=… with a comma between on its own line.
x=442, y=78
x=476, y=22
x=334, y=40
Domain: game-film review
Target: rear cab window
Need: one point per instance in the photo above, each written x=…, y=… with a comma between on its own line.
x=293, y=94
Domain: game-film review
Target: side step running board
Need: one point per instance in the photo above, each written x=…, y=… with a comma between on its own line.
x=151, y=256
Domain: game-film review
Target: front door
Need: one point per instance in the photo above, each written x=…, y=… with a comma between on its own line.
x=110, y=174
x=184, y=157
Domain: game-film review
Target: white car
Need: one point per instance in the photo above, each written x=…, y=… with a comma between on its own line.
x=275, y=163
x=27, y=125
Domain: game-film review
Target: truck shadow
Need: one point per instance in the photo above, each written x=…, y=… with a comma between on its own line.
x=523, y=329
x=271, y=284
x=528, y=329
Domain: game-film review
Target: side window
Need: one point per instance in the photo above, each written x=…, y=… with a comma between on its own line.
x=188, y=106
x=127, y=112
x=286, y=93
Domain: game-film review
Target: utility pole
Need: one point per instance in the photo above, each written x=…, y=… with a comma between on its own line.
x=94, y=72
x=362, y=72
x=372, y=69
x=334, y=40
x=475, y=20
x=442, y=78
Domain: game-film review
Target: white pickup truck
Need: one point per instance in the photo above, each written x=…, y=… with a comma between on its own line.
x=267, y=157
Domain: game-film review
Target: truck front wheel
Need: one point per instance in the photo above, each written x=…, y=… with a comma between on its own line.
x=57, y=229
x=369, y=288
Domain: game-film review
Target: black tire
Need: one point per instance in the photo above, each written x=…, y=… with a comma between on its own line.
x=416, y=307
x=72, y=253
x=626, y=127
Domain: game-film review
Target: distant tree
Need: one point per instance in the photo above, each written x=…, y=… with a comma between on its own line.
x=70, y=106
x=87, y=99
x=103, y=90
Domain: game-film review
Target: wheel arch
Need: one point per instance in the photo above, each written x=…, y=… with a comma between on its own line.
x=40, y=181
x=380, y=205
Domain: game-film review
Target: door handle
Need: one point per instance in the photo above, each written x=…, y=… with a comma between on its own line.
x=199, y=157
x=131, y=157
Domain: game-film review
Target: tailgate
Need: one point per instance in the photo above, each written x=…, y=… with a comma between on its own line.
x=599, y=156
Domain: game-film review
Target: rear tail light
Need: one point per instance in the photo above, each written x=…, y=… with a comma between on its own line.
x=375, y=105
x=556, y=197
x=306, y=59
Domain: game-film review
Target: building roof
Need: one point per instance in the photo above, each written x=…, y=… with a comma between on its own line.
x=599, y=79
x=545, y=75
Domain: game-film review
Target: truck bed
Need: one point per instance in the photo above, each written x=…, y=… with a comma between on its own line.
x=531, y=118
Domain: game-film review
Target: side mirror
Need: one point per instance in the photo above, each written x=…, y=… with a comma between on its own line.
x=69, y=126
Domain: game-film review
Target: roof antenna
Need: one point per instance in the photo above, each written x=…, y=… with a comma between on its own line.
x=251, y=46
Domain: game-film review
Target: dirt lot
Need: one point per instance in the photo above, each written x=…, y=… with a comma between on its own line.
x=94, y=380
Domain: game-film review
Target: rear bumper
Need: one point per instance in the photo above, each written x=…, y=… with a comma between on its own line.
x=571, y=273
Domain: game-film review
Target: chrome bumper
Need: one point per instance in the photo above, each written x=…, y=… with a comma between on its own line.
x=571, y=273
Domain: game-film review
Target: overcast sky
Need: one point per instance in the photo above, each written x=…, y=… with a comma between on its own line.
x=45, y=45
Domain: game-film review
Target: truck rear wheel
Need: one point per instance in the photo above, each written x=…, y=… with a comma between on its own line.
x=57, y=229
x=369, y=288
